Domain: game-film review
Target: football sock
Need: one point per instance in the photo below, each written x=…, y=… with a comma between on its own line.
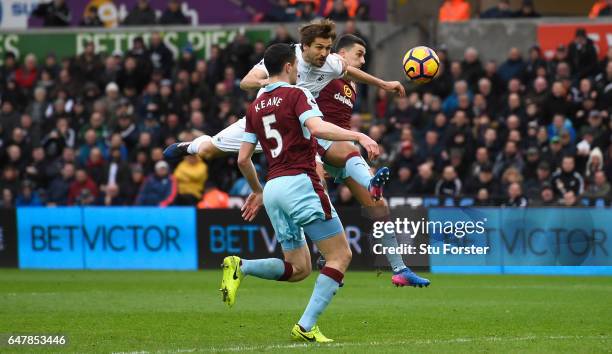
x=358, y=169
x=395, y=260
x=194, y=146
x=267, y=268
x=325, y=287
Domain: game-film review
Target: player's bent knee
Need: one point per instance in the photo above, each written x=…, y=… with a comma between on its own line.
x=208, y=151
x=340, y=259
x=338, y=153
x=346, y=257
x=300, y=272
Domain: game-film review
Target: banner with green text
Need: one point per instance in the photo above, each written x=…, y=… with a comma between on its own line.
x=66, y=44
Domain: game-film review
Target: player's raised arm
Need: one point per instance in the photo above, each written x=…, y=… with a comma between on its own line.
x=256, y=78
x=361, y=76
x=325, y=130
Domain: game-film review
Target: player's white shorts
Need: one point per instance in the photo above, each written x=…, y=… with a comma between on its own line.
x=230, y=138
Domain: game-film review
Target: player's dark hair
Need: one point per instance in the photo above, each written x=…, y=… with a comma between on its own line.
x=276, y=56
x=347, y=42
x=324, y=28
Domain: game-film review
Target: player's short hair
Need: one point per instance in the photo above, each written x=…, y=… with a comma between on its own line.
x=347, y=42
x=323, y=28
x=277, y=55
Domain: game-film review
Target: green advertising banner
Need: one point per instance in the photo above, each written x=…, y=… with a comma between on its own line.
x=66, y=44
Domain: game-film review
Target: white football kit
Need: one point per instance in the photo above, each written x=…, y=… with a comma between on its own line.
x=309, y=76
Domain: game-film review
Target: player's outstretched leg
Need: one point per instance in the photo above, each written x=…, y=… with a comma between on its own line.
x=295, y=267
x=177, y=151
x=338, y=254
x=402, y=275
x=342, y=153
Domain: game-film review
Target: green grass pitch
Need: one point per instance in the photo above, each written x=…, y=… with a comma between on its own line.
x=176, y=312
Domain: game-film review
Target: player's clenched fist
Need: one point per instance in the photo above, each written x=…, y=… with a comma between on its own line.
x=394, y=86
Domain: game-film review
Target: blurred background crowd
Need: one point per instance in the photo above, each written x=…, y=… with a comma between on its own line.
x=90, y=129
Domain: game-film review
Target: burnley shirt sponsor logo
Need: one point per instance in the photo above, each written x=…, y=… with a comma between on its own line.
x=343, y=99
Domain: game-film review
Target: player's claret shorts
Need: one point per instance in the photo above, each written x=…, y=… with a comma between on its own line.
x=296, y=204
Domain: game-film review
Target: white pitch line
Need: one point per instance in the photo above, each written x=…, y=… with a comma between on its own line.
x=374, y=343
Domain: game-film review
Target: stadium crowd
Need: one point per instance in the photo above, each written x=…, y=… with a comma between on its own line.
x=461, y=10
x=57, y=13
x=91, y=129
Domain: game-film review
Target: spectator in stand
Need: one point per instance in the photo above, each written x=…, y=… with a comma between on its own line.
x=567, y=178
x=190, y=175
x=37, y=108
x=159, y=55
x=542, y=177
x=515, y=196
x=534, y=63
x=600, y=187
x=27, y=196
x=451, y=103
x=449, y=185
x=472, y=67
x=545, y=197
x=484, y=180
x=340, y=10
x=16, y=158
x=601, y=8
x=26, y=75
x=559, y=125
x=159, y=188
x=141, y=15
x=111, y=196
x=10, y=179
x=527, y=10
x=513, y=67
x=281, y=35
x=406, y=158
x=240, y=50
x=54, y=14
x=39, y=170
x=89, y=64
x=97, y=166
x=82, y=183
x=454, y=11
x=7, y=198
x=582, y=55
x=173, y=15
x=344, y=197
x=483, y=198
x=130, y=187
x=363, y=12
x=400, y=185
x=569, y=200
x=7, y=70
x=307, y=12
x=282, y=11
x=595, y=163
x=131, y=77
x=91, y=18
x=510, y=157
x=501, y=10
x=213, y=198
x=57, y=193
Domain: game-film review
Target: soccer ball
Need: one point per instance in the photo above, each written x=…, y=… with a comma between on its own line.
x=421, y=64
